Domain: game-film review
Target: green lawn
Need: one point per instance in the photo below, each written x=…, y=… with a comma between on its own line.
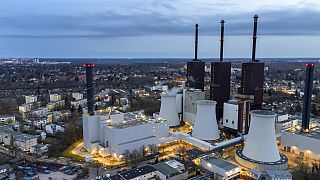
x=68, y=152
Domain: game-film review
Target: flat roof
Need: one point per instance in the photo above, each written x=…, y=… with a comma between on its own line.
x=114, y=177
x=165, y=169
x=25, y=136
x=220, y=163
x=279, y=174
x=313, y=133
x=137, y=172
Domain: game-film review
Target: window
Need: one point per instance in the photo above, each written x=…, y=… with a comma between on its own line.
x=232, y=122
x=226, y=120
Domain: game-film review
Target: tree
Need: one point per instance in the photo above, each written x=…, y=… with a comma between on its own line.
x=181, y=150
x=153, y=149
x=79, y=109
x=143, y=150
x=298, y=108
x=126, y=156
x=269, y=92
x=316, y=168
x=314, y=109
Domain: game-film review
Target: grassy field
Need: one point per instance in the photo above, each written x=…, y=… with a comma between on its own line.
x=68, y=152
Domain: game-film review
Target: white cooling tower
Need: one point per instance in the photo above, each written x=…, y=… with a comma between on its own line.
x=261, y=144
x=205, y=126
x=168, y=109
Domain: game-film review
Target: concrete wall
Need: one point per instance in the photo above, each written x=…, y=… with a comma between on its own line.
x=230, y=114
x=129, y=138
x=310, y=147
x=91, y=130
x=160, y=129
x=190, y=104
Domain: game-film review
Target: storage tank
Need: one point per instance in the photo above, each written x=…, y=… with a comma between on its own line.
x=205, y=126
x=168, y=109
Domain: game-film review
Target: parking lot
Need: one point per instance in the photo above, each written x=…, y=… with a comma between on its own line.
x=50, y=171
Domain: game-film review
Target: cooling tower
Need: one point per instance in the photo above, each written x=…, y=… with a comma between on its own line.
x=261, y=144
x=260, y=150
x=168, y=109
x=205, y=126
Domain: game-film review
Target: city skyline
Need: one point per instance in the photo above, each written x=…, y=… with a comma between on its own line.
x=156, y=29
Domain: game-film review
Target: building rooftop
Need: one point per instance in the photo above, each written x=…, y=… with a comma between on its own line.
x=25, y=137
x=220, y=163
x=313, y=133
x=170, y=168
x=165, y=169
x=279, y=174
x=131, y=174
x=114, y=177
x=129, y=123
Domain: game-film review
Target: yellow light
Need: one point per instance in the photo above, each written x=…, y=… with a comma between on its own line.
x=209, y=165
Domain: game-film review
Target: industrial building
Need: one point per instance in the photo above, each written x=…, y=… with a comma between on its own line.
x=221, y=169
x=112, y=133
x=252, y=82
x=205, y=126
x=260, y=150
x=236, y=116
x=305, y=142
x=220, y=84
x=109, y=132
x=189, y=103
x=195, y=74
x=302, y=143
x=253, y=74
x=220, y=79
x=195, y=68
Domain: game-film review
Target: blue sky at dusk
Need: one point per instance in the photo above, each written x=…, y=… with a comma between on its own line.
x=157, y=28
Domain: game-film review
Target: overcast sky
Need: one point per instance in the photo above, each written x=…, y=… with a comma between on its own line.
x=157, y=28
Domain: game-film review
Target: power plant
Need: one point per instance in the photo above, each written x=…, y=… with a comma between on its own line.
x=253, y=74
x=260, y=149
x=195, y=68
x=205, y=126
x=220, y=78
x=188, y=116
x=168, y=109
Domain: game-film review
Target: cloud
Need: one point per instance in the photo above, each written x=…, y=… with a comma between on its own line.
x=157, y=18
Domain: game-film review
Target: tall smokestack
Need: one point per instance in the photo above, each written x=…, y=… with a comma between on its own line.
x=196, y=43
x=254, y=37
x=307, y=97
x=90, y=88
x=221, y=40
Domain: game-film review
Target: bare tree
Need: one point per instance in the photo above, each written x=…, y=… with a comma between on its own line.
x=126, y=156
